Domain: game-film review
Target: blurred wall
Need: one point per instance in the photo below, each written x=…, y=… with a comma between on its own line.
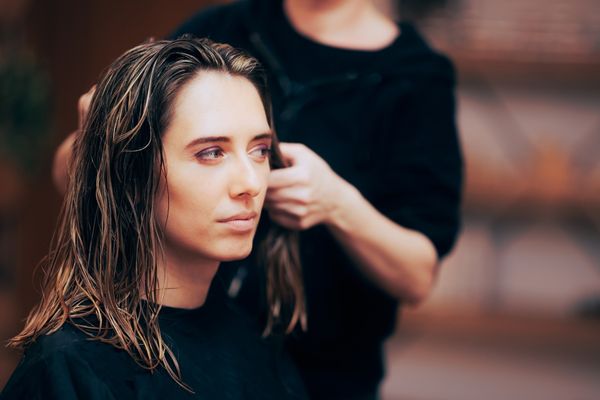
x=515, y=313
x=529, y=101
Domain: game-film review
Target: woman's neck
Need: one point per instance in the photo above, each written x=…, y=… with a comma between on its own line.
x=184, y=280
x=352, y=24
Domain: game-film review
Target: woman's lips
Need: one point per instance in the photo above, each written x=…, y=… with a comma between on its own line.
x=242, y=222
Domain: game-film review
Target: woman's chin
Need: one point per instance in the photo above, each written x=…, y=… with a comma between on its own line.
x=237, y=253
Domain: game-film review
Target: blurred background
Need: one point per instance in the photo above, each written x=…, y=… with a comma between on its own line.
x=516, y=310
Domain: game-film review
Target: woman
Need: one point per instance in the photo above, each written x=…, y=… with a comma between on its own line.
x=169, y=177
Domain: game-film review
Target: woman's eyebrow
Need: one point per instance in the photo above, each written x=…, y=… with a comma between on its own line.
x=266, y=135
x=224, y=139
x=208, y=139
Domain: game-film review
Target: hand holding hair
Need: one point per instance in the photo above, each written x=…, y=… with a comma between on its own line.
x=305, y=194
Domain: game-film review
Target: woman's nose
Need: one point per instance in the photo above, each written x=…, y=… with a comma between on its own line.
x=245, y=178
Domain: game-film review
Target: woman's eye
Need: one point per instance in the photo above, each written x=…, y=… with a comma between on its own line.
x=210, y=154
x=262, y=151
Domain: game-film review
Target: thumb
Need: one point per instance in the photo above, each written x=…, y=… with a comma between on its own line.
x=292, y=152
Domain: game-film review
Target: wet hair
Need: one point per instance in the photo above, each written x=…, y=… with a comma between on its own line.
x=101, y=272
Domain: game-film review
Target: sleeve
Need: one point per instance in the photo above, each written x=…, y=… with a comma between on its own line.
x=57, y=376
x=422, y=177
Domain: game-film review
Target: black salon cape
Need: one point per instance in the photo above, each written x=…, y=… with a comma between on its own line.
x=219, y=350
x=385, y=122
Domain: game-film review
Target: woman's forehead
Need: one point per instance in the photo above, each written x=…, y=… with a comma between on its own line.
x=218, y=104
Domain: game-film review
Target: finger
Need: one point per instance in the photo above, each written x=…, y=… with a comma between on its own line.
x=292, y=221
x=292, y=209
x=292, y=151
x=83, y=105
x=286, y=177
x=291, y=194
x=85, y=99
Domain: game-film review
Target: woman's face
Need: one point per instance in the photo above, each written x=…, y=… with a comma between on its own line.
x=217, y=163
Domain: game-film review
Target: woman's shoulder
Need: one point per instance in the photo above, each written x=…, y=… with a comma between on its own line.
x=63, y=364
x=66, y=338
x=69, y=343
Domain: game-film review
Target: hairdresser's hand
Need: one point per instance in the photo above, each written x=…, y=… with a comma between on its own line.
x=83, y=106
x=60, y=167
x=306, y=193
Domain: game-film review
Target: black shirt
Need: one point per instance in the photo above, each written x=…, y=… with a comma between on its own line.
x=219, y=350
x=384, y=121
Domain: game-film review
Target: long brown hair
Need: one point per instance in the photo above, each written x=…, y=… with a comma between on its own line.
x=103, y=259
